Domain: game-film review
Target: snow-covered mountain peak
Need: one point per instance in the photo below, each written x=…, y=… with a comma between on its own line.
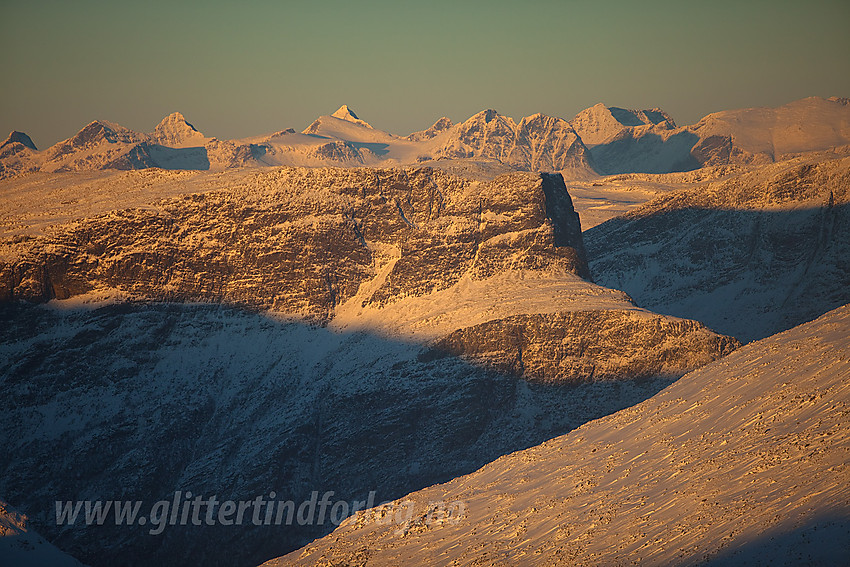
x=486, y=115
x=439, y=126
x=804, y=125
x=174, y=130
x=600, y=124
x=345, y=113
x=19, y=137
x=102, y=131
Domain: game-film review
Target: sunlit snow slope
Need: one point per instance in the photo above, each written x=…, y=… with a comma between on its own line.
x=743, y=461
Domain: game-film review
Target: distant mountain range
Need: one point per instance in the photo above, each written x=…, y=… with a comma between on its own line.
x=598, y=140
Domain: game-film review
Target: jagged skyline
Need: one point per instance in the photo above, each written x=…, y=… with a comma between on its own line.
x=240, y=71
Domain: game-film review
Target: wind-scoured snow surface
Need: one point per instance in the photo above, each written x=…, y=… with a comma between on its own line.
x=744, y=461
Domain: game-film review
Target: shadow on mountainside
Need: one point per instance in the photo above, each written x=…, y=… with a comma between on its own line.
x=822, y=540
x=745, y=273
x=649, y=153
x=136, y=401
x=195, y=158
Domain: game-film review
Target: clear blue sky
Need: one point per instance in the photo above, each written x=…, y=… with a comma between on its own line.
x=243, y=69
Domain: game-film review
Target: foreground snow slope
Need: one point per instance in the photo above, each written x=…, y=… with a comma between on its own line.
x=742, y=461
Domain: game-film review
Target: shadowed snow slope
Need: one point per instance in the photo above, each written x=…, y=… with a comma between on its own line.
x=20, y=546
x=149, y=399
x=744, y=459
x=748, y=256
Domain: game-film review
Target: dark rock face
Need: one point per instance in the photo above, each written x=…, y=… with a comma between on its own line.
x=16, y=137
x=298, y=240
x=582, y=346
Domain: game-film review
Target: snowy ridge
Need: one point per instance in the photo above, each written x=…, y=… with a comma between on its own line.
x=805, y=125
x=749, y=255
x=601, y=139
x=747, y=136
x=742, y=461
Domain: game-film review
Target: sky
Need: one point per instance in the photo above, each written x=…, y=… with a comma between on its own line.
x=243, y=69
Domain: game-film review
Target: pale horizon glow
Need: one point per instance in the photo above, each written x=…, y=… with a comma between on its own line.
x=238, y=70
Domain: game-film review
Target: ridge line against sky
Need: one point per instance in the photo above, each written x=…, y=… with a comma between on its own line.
x=238, y=70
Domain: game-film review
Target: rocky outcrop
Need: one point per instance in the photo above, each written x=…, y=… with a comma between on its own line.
x=537, y=143
x=583, y=346
x=486, y=134
x=297, y=240
x=544, y=143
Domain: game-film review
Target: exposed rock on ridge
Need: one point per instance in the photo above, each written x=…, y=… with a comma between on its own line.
x=583, y=346
x=537, y=143
x=297, y=240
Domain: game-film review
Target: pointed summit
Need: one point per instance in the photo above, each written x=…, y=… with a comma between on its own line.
x=174, y=130
x=20, y=138
x=345, y=113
